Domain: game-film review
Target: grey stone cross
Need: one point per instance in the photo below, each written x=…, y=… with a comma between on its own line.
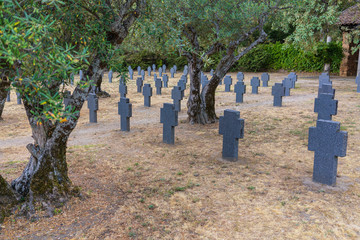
x=278, y=91
x=228, y=82
x=93, y=105
x=122, y=89
x=240, y=90
x=110, y=75
x=172, y=72
x=147, y=92
x=139, y=84
x=169, y=119
x=287, y=83
x=231, y=126
x=255, y=83
x=328, y=143
x=125, y=112
x=165, y=80
x=240, y=77
x=158, y=85
x=265, y=78
x=177, y=96
x=325, y=106
x=149, y=71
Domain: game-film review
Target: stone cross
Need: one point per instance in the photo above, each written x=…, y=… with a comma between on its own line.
x=110, y=75
x=93, y=105
x=228, y=82
x=165, y=80
x=81, y=73
x=155, y=77
x=154, y=67
x=67, y=98
x=278, y=91
x=139, y=84
x=324, y=78
x=293, y=78
x=164, y=68
x=255, y=83
x=172, y=71
x=184, y=78
x=8, y=96
x=177, y=95
x=182, y=85
x=326, y=88
x=160, y=71
x=122, y=89
x=186, y=71
x=240, y=90
x=169, y=119
x=143, y=74
x=147, y=92
x=125, y=112
x=265, y=77
x=357, y=81
x=18, y=98
x=204, y=81
x=158, y=85
x=139, y=70
x=325, y=106
x=175, y=68
x=231, y=126
x=240, y=77
x=212, y=72
x=129, y=68
x=328, y=143
x=131, y=73
x=287, y=83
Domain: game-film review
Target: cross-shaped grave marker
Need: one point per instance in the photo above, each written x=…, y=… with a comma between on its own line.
x=293, y=77
x=131, y=74
x=278, y=91
x=265, y=78
x=255, y=83
x=177, y=95
x=240, y=77
x=164, y=68
x=240, y=90
x=357, y=80
x=231, y=126
x=155, y=77
x=228, y=82
x=8, y=96
x=160, y=71
x=139, y=70
x=122, y=89
x=147, y=92
x=110, y=75
x=18, y=98
x=165, y=80
x=172, y=71
x=326, y=88
x=125, y=112
x=184, y=78
x=143, y=74
x=204, y=81
x=175, y=68
x=149, y=71
x=325, y=106
x=287, y=83
x=139, y=84
x=154, y=67
x=186, y=71
x=169, y=119
x=328, y=143
x=324, y=78
x=158, y=85
x=93, y=106
x=182, y=85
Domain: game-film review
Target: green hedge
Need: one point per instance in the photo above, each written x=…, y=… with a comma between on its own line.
x=265, y=57
x=276, y=56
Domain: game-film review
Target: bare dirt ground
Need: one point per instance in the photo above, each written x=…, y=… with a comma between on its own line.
x=136, y=187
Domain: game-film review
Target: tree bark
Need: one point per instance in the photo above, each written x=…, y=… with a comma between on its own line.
x=7, y=199
x=3, y=94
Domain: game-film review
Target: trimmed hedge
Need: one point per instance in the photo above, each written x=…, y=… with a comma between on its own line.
x=265, y=57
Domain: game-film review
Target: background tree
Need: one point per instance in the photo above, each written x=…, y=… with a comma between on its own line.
x=204, y=28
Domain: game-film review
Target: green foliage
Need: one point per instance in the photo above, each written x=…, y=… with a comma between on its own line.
x=276, y=56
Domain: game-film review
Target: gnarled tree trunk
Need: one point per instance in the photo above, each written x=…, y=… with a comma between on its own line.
x=7, y=199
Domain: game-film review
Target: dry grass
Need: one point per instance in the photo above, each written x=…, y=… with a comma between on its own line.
x=139, y=188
